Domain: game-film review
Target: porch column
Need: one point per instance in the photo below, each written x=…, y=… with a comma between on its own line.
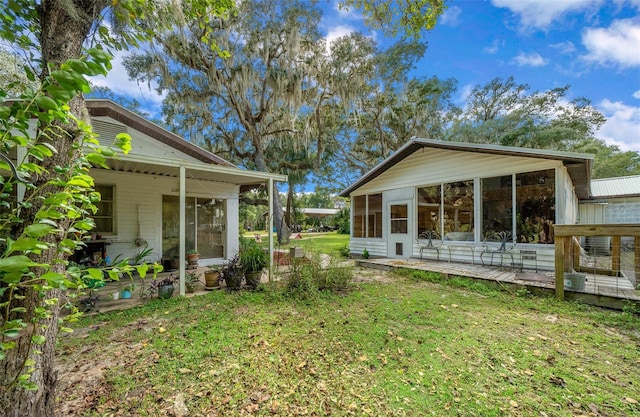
x=182, y=200
x=270, y=226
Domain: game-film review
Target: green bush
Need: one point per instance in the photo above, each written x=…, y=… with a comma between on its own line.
x=307, y=276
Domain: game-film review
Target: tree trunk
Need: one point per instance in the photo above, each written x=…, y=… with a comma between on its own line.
x=278, y=215
x=65, y=26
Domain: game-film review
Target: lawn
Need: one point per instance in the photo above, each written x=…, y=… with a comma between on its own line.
x=392, y=346
x=326, y=242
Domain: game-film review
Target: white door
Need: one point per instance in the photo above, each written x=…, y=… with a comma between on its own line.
x=399, y=236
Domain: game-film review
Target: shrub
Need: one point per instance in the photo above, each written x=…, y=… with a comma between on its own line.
x=306, y=277
x=345, y=251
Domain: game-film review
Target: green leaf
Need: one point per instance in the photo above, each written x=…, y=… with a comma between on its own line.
x=22, y=245
x=96, y=159
x=54, y=279
x=95, y=273
x=11, y=333
x=46, y=103
x=16, y=264
x=38, y=339
x=142, y=270
x=123, y=141
x=38, y=230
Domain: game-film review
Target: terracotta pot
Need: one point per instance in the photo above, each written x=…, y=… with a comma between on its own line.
x=193, y=259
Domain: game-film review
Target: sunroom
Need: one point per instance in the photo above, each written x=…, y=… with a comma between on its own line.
x=457, y=198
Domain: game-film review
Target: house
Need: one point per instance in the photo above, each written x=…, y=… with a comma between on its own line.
x=167, y=195
x=612, y=201
x=464, y=194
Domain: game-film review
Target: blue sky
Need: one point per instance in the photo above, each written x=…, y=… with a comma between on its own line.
x=591, y=45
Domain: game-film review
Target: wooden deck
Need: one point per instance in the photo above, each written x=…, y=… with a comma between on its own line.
x=600, y=290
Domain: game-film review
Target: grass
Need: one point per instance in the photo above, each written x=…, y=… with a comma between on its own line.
x=409, y=348
x=327, y=242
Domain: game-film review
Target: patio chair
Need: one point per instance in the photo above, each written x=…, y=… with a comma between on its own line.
x=490, y=248
x=425, y=239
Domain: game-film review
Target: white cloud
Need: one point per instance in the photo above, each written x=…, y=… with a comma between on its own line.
x=117, y=80
x=623, y=125
x=636, y=94
x=348, y=13
x=493, y=48
x=338, y=32
x=619, y=44
x=564, y=47
x=451, y=16
x=533, y=59
x=540, y=14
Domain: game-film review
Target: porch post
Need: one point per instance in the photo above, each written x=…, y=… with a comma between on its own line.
x=270, y=226
x=182, y=233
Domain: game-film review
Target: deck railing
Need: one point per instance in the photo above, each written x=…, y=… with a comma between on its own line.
x=567, y=247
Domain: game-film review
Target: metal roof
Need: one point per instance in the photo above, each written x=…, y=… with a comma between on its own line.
x=578, y=164
x=616, y=187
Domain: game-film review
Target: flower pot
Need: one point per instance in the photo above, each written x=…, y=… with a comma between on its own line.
x=115, y=295
x=233, y=282
x=211, y=279
x=252, y=278
x=125, y=294
x=165, y=291
x=193, y=259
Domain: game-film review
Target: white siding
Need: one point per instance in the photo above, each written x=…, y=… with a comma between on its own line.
x=141, y=144
x=434, y=166
x=142, y=192
x=567, y=200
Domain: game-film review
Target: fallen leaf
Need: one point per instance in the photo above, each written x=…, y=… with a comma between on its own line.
x=557, y=381
x=162, y=329
x=513, y=403
x=185, y=370
x=631, y=400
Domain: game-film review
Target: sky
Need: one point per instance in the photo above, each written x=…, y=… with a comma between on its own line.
x=591, y=45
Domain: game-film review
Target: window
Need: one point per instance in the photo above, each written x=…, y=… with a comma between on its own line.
x=399, y=218
x=447, y=209
x=429, y=210
x=497, y=207
x=458, y=210
x=105, y=215
x=205, y=226
x=367, y=215
x=536, y=204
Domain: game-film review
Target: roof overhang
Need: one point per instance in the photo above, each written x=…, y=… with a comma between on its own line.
x=207, y=172
x=578, y=164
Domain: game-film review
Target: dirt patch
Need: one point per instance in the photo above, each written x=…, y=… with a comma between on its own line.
x=373, y=275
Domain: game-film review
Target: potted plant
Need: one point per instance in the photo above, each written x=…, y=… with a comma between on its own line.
x=164, y=287
x=232, y=273
x=127, y=290
x=253, y=260
x=191, y=279
x=193, y=257
x=212, y=277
